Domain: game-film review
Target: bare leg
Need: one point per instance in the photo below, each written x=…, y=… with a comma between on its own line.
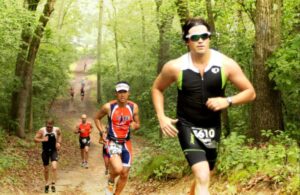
x=86, y=153
x=54, y=168
x=82, y=155
x=116, y=167
x=122, y=180
x=46, y=174
x=202, y=176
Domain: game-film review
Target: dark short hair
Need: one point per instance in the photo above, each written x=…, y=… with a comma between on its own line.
x=50, y=121
x=191, y=22
x=123, y=82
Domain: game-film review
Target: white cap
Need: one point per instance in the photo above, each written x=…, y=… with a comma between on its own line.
x=122, y=87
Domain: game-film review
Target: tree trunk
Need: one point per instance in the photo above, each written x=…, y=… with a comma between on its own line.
x=210, y=16
x=116, y=40
x=182, y=10
x=143, y=23
x=18, y=101
x=99, y=44
x=60, y=15
x=266, y=112
x=24, y=68
x=164, y=24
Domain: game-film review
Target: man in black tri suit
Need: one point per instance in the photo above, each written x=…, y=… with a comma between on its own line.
x=50, y=137
x=201, y=76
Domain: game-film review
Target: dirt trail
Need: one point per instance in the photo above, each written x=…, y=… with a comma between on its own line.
x=75, y=179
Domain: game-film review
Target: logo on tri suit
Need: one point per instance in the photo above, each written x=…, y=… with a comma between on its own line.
x=215, y=70
x=123, y=119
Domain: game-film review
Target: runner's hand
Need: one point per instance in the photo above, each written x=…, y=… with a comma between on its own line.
x=167, y=126
x=45, y=139
x=217, y=103
x=58, y=146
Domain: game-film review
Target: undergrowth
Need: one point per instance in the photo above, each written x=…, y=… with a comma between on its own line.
x=241, y=163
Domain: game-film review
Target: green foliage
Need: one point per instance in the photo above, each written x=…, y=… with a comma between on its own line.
x=3, y=138
x=10, y=159
x=284, y=66
x=276, y=160
x=162, y=163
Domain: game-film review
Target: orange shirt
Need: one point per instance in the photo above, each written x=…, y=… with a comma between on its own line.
x=120, y=119
x=86, y=127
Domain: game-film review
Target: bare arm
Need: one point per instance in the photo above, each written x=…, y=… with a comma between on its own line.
x=236, y=76
x=39, y=137
x=59, y=139
x=167, y=76
x=104, y=110
x=135, y=124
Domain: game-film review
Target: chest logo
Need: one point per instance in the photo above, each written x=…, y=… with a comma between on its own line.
x=215, y=70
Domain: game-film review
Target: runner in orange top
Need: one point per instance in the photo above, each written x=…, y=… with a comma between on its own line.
x=84, y=129
x=122, y=116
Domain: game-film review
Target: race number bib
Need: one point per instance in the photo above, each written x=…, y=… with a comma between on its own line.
x=84, y=140
x=206, y=136
x=114, y=148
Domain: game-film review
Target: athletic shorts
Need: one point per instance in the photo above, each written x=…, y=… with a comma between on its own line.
x=105, y=151
x=123, y=149
x=198, y=150
x=49, y=155
x=82, y=93
x=84, y=141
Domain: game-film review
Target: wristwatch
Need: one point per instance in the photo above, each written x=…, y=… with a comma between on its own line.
x=229, y=100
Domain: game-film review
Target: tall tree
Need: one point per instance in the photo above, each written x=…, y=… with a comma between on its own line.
x=19, y=97
x=210, y=16
x=115, y=25
x=266, y=112
x=99, y=45
x=182, y=10
x=164, y=24
x=24, y=66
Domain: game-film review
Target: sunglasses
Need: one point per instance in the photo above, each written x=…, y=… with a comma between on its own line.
x=196, y=37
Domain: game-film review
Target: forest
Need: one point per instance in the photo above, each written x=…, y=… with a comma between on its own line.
x=42, y=40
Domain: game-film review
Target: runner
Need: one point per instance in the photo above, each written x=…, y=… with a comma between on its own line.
x=84, y=67
x=122, y=116
x=105, y=155
x=201, y=76
x=84, y=129
x=72, y=93
x=51, y=138
x=82, y=93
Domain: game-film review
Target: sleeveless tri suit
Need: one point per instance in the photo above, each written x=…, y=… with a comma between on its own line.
x=119, y=131
x=199, y=127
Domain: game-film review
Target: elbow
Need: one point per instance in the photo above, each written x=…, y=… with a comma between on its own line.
x=253, y=95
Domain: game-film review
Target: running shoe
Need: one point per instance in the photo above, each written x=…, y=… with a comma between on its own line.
x=86, y=165
x=82, y=164
x=53, y=188
x=109, y=190
x=46, y=189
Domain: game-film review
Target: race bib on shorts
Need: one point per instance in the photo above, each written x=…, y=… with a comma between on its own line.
x=206, y=135
x=114, y=148
x=84, y=140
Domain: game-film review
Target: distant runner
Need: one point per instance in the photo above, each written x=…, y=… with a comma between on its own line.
x=103, y=140
x=51, y=138
x=84, y=130
x=82, y=93
x=72, y=93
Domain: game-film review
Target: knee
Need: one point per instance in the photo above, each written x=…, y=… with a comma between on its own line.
x=202, y=177
x=46, y=169
x=124, y=175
